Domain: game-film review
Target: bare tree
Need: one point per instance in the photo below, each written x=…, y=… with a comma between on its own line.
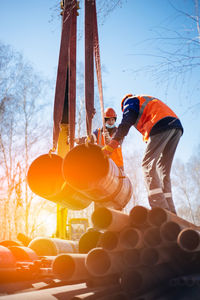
x=186, y=187
x=175, y=51
x=23, y=129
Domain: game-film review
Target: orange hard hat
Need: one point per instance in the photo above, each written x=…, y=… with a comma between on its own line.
x=124, y=98
x=110, y=113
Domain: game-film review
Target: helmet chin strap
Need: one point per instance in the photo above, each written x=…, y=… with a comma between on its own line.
x=110, y=126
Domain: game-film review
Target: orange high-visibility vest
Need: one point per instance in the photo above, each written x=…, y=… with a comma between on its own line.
x=116, y=155
x=151, y=111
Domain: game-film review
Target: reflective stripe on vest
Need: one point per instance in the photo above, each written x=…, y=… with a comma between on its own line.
x=148, y=99
x=100, y=138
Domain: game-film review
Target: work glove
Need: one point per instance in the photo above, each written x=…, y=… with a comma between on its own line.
x=108, y=149
x=77, y=141
x=107, y=137
x=90, y=139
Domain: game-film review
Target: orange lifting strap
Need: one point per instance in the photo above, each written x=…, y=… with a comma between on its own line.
x=91, y=51
x=65, y=93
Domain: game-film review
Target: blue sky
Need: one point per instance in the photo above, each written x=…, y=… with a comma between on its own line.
x=27, y=26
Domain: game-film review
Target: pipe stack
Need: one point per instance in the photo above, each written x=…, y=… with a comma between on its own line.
x=83, y=176
x=146, y=248
x=139, y=252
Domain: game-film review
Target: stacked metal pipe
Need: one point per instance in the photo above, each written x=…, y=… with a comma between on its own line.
x=140, y=252
x=145, y=248
x=83, y=176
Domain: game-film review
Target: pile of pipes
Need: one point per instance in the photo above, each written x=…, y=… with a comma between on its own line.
x=142, y=251
x=137, y=253
x=83, y=176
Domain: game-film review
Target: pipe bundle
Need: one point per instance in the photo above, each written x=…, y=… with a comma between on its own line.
x=146, y=248
x=139, y=252
x=83, y=176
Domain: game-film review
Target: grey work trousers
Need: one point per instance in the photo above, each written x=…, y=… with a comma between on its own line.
x=156, y=166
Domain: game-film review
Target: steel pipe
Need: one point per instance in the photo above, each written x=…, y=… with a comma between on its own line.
x=46, y=261
x=157, y=216
x=179, y=259
x=109, y=240
x=169, y=231
x=189, y=240
x=131, y=258
x=152, y=237
x=7, y=260
x=24, y=239
x=23, y=253
x=87, y=170
x=109, y=219
x=9, y=243
x=70, y=267
x=45, y=179
x=52, y=246
x=130, y=238
x=142, y=279
x=100, y=262
x=152, y=256
x=139, y=216
x=44, y=175
x=89, y=240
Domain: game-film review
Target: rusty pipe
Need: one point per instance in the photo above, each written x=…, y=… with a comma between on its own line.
x=169, y=231
x=189, y=240
x=139, y=216
x=152, y=237
x=100, y=262
x=23, y=253
x=157, y=216
x=130, y=238
x=109, y=219
x=89, y=240
x=70, y=266
x=45, y=179
x=52, y=246
x=87, y=170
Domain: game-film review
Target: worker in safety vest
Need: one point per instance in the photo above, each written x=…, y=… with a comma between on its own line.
x=101, y=138
x=161, y=129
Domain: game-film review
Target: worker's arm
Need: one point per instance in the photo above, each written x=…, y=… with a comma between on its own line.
x=129, y=119
x=92, y=138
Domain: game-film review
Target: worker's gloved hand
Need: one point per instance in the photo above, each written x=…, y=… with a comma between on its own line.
x=77, y=141
x=107, y=137
x=108, y=149
x=90, y=139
